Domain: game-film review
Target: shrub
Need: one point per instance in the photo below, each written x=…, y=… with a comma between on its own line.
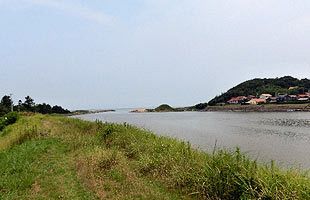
x=8, y=119
x=2, y=123
x=11, y=118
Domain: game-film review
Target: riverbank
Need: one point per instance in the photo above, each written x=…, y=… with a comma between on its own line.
x=305, y=107
x=50, y=157
x=261, y=108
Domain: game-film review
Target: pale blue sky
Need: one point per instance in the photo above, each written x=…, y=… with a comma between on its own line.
x=140, y=53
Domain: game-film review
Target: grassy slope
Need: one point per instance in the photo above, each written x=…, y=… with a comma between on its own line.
x=44, y=157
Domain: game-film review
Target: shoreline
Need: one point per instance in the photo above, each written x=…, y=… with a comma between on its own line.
x=224, y=108
x=85, y=112
x=260, y=108
x=237, y=108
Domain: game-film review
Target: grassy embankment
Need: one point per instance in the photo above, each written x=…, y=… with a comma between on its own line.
x=49, y=157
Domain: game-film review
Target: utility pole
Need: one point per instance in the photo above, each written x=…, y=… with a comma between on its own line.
x=11, y=102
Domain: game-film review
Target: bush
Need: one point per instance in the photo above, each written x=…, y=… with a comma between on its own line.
x=2, y=123
x=11, y=118
x=8, y=119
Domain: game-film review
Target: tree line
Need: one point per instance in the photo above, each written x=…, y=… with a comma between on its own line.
x=28, y=105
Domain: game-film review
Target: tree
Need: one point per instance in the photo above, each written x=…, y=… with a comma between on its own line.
x=201, y=106
x=29, y=104
x=7, y=101
x=5, y=105
x=20, y=105
x=43, y=108
x=59, y=110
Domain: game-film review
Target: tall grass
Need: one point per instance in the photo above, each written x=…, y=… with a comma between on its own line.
x=50, y=157
x=19, y=132
x=221, y=175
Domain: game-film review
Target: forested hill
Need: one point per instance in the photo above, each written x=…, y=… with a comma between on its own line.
x=259, y=86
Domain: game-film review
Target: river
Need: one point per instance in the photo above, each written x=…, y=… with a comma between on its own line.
x=283, y=137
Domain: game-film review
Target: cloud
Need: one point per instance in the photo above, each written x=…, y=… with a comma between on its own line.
x=75, y=9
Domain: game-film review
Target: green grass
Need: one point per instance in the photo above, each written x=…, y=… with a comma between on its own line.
x=38, y=169
x=52, y=157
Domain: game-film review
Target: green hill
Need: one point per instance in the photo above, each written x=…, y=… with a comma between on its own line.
x=267, y=85
x=164, y=108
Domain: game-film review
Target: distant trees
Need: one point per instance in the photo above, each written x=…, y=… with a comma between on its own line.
x=29, y=105
x=48, y=109
x=201, y=106
x=295, y=91
x=59, y=110
x=44, y=108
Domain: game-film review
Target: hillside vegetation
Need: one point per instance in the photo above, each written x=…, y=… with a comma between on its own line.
x=50, y=157
x=164, y=108
x=259, y=86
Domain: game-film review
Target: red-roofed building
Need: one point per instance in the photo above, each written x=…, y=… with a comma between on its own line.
x=237, y=100
x=251, y=97
x=302, y=96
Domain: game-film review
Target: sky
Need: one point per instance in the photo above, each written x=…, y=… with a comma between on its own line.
x=141, y=53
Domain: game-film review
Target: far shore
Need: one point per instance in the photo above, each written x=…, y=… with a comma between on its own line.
x=84, y=112
x=223, y=108
x=261, y=108
x=238, y=108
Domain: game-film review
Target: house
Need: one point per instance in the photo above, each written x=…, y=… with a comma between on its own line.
x=302, y=96
x=237, y=100
x=233, y=100
x=265, y=96
x=282, y=97
x=256, y=101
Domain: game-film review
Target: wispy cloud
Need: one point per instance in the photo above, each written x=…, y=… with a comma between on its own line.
x=76, y=9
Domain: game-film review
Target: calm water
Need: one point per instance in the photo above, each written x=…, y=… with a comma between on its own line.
x=284, y=137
